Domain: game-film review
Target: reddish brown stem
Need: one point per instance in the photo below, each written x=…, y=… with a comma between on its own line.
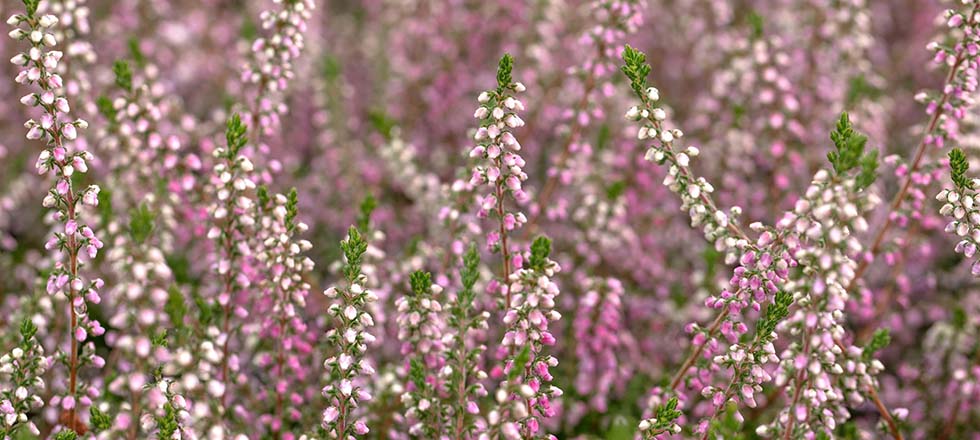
x=505, y=252
x=691, y=358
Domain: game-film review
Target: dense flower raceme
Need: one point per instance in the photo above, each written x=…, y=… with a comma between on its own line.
x=348, y=369
x=21, y=373
x=271, y=66
x=810, y=310
x=285, y=293
x=525, y=396
x=76, y=242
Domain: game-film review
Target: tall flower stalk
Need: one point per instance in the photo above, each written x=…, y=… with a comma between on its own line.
x=501, y=167
x=77, y=242
x=233, y=223
x=524, y=397
x=465, y=376
x=348, y=369
x=285, y=290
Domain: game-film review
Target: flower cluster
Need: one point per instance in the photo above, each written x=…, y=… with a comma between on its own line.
x=524, y=397
x=959, y=205
x=747, y=243
x=817, y=370
x=598, y=327
x=172, y=421
x=348, y=368
x=602, y=44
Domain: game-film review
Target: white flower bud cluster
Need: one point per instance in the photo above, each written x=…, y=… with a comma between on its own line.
x=695, y=192
x=232, y=212
x=173, y=413
x=961, y=207
x=423, y=187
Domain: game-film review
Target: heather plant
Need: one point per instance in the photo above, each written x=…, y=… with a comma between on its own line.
x=752, y=252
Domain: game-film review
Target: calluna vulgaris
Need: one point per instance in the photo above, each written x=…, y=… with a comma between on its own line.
x=780, y=239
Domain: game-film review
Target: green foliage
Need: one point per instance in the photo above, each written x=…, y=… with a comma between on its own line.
x=636, y=69
x=505, y=68
x=621, y=428
x=368, y=204
x=540, y=250
x=159, y=339
x=207, y=311
x=664, y=415
x=330, y=67
x=520, y=362
x=235, y=135
x=99, y=420
x=869, y=170
x=175, y=308
x=106, y=108
x=958, y=166
x=136, y=53
x=879, y=340
x=469, y=274
x=382, y=122
x=27, y=329
x=615, y=189
x=292, y=207
x=105, y=206
x=354, y=247
x=416, y=373
x=124, y=75
x=958, y=318
x=66, y=434
x=776, y=312
x=31, y=6
x=859, y=88
x=850, y=144
x=421, y=282
x=141, y=223
x=167, y=423
x=262, y=194
x=755, y=24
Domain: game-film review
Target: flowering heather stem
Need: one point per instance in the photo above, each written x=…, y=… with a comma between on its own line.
x=464, y=382
x=966, y=52
x=348, y=369
x=37, y=68
x=232, y=223
x=503, y=170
